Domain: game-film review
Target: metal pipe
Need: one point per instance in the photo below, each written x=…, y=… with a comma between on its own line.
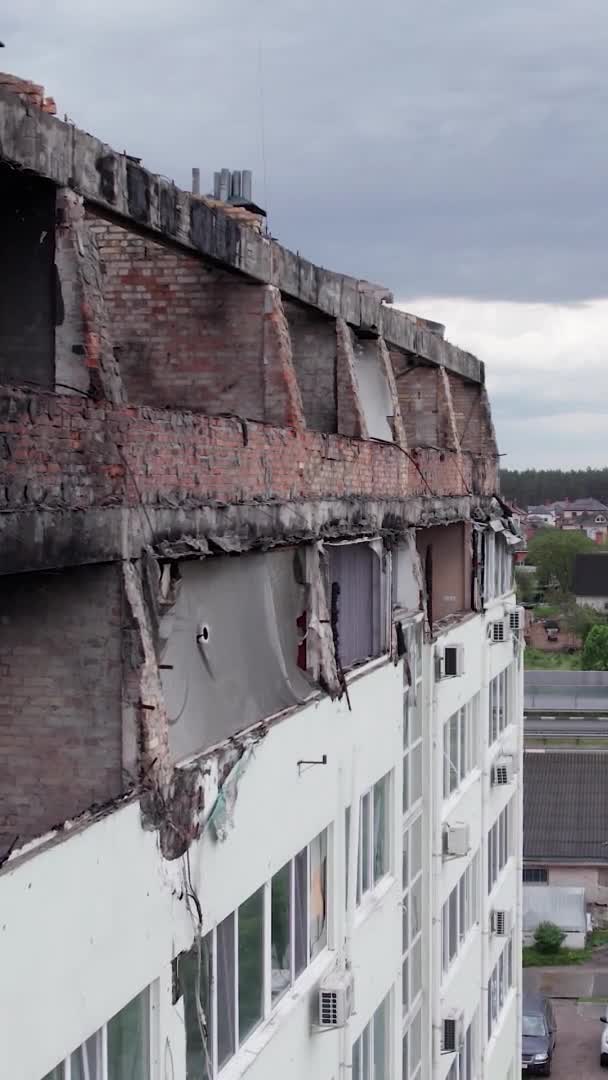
x=246, y=185
x=216, y=185
x=196, y=181
x=236, y=184
x=224, y=185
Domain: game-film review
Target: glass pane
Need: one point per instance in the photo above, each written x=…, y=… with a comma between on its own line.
x=85, y=1062
x=416, y=847
x=280, y=950
x=453, y=906
x=381, y=1041
x=406, y=720
x=318, y=894
x=416, y=719
x=366, y=1056
x=195, y=969
x=405, y=932
x=356, y=1070
x=226, y=1028
x=416, y=1039
x=365, y=842
x=300, y=910
x=416, y=968
x=405, y=800
x=405, y=985
x=416, y=906
x=58, y=1073
x=129, y=1041
x=404, y=860
x=463, y=744
x=251, y=963
x=462, y=927
x=416, y=773
x=404, y=1065
x=446, y=759
x=346, y=845
x=454, y=752
x=380, y=828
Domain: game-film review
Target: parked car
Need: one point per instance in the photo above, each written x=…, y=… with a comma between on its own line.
x=604, y=1040
x=538, y=1032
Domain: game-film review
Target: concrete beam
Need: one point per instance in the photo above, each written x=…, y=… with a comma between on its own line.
x=34, y=140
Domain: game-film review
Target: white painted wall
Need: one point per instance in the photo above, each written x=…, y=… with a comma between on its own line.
x=597, y=602
x=90, y=920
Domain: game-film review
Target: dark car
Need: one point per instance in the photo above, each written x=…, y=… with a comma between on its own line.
x=538, y=1031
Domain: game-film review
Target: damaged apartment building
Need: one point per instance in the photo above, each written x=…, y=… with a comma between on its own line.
x=261, y=665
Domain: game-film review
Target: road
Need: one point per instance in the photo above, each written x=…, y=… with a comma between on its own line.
x=577, y=1054
x=590, y=726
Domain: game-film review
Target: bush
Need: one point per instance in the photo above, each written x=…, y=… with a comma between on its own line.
x=595, y=650
x=548, y=938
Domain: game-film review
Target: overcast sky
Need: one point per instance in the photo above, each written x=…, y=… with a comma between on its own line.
x=455, y=152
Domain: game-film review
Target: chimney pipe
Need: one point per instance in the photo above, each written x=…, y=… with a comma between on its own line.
x=225, y=185
x=246, y=185
x=236, y=184
x=216, y=185
x=196, y=181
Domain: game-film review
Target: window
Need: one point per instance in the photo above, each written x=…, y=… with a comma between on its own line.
x=374, y=852
x=498, y=566
x=499, y=845
x=464, y=1065
x=460, y=745
x=359, y=601
x=411, y=907
x=119, y=1049
x=499, y=717
x=501, y=980
x=460, y=913
x=225, y=978
x=372, y=1050
x=536, y=875
x=412, y=719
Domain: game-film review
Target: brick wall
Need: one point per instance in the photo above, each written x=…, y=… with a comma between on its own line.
x=60, y=697
x=70, y=453
x=186, y=335
x=418, y=393
x=313, y=344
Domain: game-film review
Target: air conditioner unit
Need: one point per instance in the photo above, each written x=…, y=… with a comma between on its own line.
x=501, y=923
x=516, y=620
x=456, y=840
x=502, y=771
x=498, y=632
x=450, y=663
x=336, y=1000
x=452, y=1034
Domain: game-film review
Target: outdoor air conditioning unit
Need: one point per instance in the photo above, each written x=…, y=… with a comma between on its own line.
x=502, y=771
x=456, y=840
x=452, y=1034
x=501, y=923
x=450, y=663
x=336, y=1000
x=516, y=620
x=498, y=632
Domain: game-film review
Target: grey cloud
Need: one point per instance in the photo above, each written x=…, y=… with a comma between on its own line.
x=441, y=148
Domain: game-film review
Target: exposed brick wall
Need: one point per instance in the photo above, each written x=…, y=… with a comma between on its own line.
x=29, y=91
x=466, y=398
x=418, y=393
x=186, y=335
x=313, y=343
x=77, y=454
x=60, y=697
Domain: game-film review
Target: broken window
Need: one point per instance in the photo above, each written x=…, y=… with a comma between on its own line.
x=357, y=586
x=119, y=1049
x=195, y=977
x=498, y=563
x=230, y=647
x=374, y=392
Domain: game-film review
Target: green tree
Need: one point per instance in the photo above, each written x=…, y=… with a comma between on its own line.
x=581, y=619
x=595, y=650
x=553, y=551
x=526, y=586
x=548, y=937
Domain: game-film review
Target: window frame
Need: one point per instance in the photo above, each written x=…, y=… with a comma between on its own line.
x=364, y=1065
x=499, y=844
x=460, y=913
x=535, y=875
x=461, y=731
x=63, y=1069
x=269, y=1003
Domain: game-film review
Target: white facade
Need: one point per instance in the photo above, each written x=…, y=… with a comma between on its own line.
x=95, y=918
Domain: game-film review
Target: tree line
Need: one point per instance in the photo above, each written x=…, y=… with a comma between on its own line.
x=532, y=487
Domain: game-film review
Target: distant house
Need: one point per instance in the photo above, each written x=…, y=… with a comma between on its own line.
x=563, y=905
x=566, y=822
x=594, y=525
x=590, y=583
x=578, y=507
x=542, y=515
